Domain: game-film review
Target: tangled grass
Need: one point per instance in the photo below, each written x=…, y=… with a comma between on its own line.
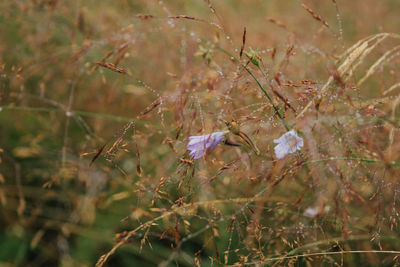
x=98, y=100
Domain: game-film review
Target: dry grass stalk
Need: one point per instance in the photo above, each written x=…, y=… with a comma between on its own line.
x=325, y=254
x=243, y=43
x=366, y=39
x=392, y=128
x=394, y=86
x=111, y=67
x=315, y=15
x=185, y=208
x=378, y=63
x=353, y=57
x=363, y=56
x=186, y=17
x=343, y=68
x=277, y=22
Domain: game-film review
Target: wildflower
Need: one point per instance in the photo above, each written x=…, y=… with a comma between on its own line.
x=311, y=212
x=288, y=143
x=315, y=211
x=199, y=145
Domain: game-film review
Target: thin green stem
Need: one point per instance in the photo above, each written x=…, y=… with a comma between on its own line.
x=324, y=254
x=77, y=112
x=392, y=163
x=259, y=85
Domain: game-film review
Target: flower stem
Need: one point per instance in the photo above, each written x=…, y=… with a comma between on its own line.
x=392, y=163
x=259, y=85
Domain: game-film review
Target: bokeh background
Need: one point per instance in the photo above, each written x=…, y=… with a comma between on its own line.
x=97, y=99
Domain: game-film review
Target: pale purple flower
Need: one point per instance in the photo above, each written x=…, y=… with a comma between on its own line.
x=288, y=143
x=314, y=211
x=199, y=145
x=311, y=212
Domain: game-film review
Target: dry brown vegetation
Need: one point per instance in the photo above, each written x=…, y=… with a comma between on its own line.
x=98, y=98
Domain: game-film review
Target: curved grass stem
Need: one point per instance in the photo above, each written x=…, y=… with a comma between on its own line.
x=259, y=85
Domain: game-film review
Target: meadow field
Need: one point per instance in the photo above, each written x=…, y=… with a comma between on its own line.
x=199, y=133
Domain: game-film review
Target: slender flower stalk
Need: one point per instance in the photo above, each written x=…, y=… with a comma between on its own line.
x=288, y=143
x=259, y=85
x=202, y=144
x=234, y=128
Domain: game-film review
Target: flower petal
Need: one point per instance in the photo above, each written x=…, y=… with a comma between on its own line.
x=288, y=143
x=199, y=145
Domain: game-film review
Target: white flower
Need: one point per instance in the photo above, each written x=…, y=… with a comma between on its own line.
x=311, y=212
x=288, y=143
x=199, y=145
